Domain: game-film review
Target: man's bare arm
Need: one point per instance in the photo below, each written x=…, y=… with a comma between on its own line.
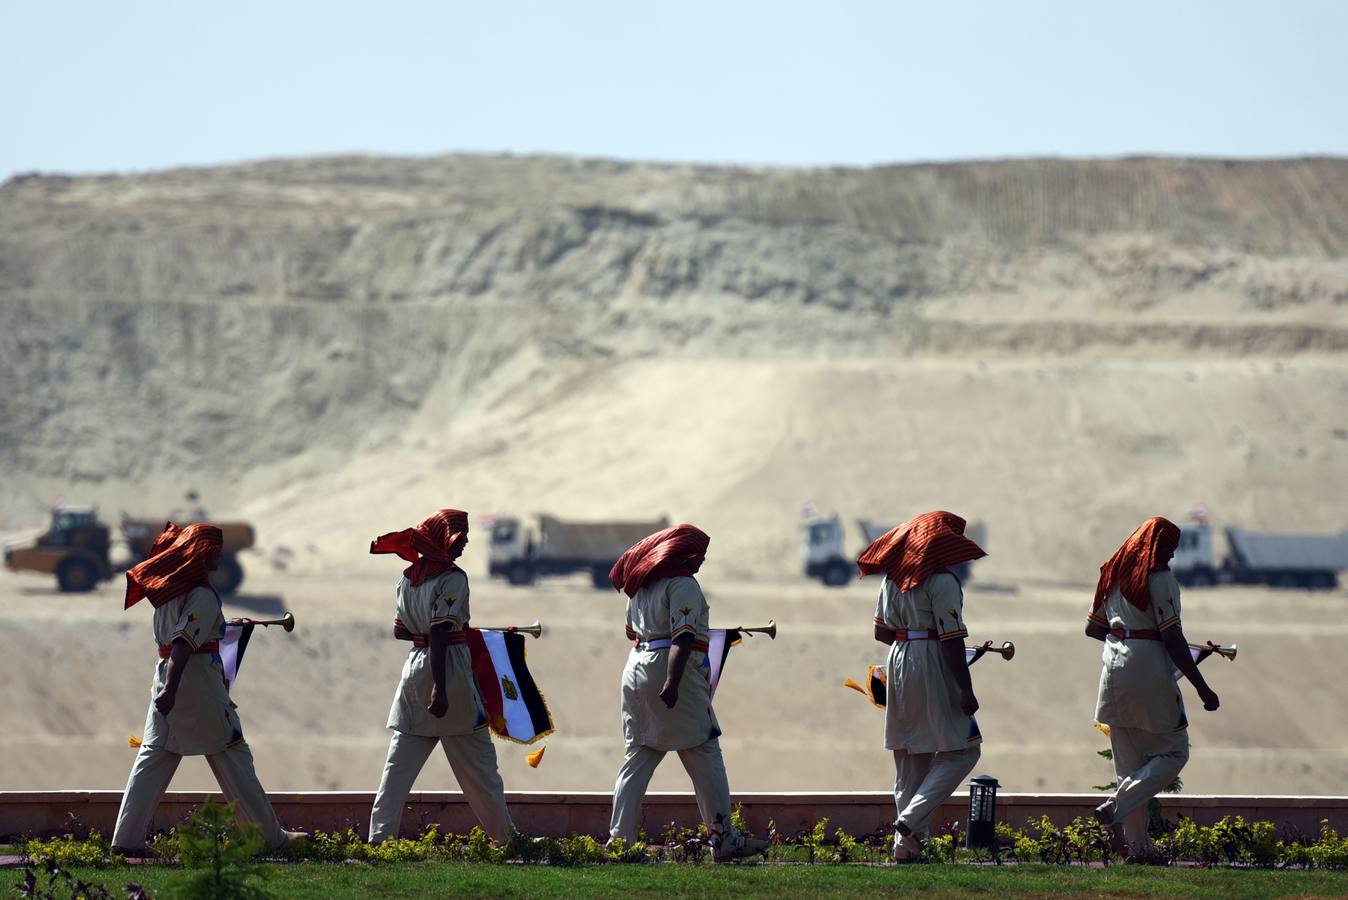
x=679, y=650
x=173, y=675
x=884, y=634
x=1177, y=647
x=436, y=646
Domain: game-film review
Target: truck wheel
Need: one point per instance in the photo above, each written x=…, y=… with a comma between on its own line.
x=520, y=574
x=229, y=576
x=599, y=578
x=837, y=574
x=76, y=576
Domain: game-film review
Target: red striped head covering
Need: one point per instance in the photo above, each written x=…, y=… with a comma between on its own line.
x=180, y=559
x=1147, y=550
x=429, y=546
x=665, y=554
x=918, y=549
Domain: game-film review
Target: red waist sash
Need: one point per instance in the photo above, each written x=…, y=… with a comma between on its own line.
x=166, y=650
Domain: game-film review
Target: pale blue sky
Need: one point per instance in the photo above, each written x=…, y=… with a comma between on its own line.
x=118, y=86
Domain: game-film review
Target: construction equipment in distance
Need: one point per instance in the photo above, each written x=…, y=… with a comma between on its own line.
x=77, y=549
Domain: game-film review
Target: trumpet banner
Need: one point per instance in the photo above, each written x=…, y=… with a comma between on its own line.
x=516, y=709
x=232, y=646
x=876, y=678
x=719, y=642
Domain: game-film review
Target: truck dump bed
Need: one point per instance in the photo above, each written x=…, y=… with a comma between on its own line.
x=590, y=540
x=1301, y=552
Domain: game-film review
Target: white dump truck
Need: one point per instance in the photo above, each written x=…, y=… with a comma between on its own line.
x=1281, y=560
x=826, y=560
x=521, y=552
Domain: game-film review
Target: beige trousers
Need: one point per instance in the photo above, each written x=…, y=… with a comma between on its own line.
x=704, y=765
x=1144, y=763
x=233, y=769
x=473, y=759
x=923, y=781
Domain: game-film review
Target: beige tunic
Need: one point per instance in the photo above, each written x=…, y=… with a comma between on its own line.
x=203, y=719
x=922, y=701
x=435, y=601
x=666, y=609
x=1137, y=682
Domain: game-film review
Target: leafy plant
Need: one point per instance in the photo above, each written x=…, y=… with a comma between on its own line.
x=849, y=848
x=214, y=841
x=812, y=839
x=67, y=850
x=622, y=852
x=481, y=849
x=1088, y=839
x=685, y=844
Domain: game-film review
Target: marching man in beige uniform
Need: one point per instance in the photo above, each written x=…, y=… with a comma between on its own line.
x=929, y=701
x=666, y=688
x=437, y=702
x=1136, y=613
x=191, y=713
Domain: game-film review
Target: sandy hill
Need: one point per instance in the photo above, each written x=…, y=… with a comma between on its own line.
x=334, y=346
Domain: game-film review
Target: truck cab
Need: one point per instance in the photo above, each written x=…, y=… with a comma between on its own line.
x=508, y=550
x=1193, y=562
x=823, y=551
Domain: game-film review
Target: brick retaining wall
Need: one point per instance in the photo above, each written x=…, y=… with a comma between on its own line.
x=46, y=813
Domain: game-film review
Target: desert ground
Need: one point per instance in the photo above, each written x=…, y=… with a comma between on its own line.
x=332, y=348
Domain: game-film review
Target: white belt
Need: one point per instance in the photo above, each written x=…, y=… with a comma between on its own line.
x=656, y=644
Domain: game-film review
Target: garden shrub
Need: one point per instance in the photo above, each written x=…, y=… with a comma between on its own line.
x=212, y=841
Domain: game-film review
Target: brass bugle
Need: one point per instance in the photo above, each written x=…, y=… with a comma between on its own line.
x=1006, y=650
x=1226, y=652
x=536, y=629
x=287, y=622
x=769, y=629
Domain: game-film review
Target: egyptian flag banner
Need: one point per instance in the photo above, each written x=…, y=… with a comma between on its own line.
x=516, y=710
x=719, y=642
x=876, y=679
x=232, y=646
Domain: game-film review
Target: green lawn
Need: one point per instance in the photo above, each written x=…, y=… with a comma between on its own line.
x=328, y=881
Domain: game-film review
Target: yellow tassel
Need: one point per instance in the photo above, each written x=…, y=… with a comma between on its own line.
x=1104, y=729
x=133, y=742
x=847, y=682
x=535, y=758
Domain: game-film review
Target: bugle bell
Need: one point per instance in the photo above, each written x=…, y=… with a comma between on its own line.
x=287, y=622
x=769, y=629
